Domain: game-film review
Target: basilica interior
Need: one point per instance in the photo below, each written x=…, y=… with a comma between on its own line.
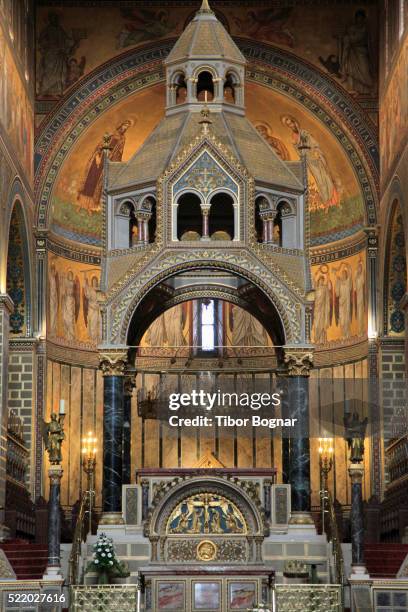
x=203, y=295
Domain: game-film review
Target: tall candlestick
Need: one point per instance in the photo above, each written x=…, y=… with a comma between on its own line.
x=62, y=406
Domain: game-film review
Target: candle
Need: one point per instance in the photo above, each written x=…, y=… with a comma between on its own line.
x=62, y=407
x=205, y=96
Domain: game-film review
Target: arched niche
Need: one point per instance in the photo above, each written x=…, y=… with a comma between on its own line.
x=222, y=221
x=395, y=273
x=18, y=273
x=232, y=88
x=189, y=217
x=205, y=86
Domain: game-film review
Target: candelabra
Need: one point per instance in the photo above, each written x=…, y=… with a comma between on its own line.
x=326, y=463
x=89, y=464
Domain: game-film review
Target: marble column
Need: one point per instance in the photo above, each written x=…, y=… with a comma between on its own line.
x=127, y=422
x=53, y=570
x=206, y=214
x=295, y=443
x=113, y=365
x=356, y=471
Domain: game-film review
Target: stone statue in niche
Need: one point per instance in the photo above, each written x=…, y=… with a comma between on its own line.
x=90, y=191
x=354, y=435
x=53, y=435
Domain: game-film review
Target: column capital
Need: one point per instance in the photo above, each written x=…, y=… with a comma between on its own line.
x=298, y=360
x=113, y=361
x=356, y=472
x=6, y=302
x=55, y=473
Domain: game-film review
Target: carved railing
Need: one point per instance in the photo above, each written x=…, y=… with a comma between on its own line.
x=332, y=532
x=107, y=597
x=80, y=533
x=309, y=597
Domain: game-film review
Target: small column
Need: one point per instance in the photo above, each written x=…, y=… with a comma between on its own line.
x=53, y=570
x=112, y=364
x=356, y=471
x=270, y=229
x=296, y=447
x=146, y=230
x=140, y=232
x=127, y=420
x=54, y=437
x=355, y=429
x=206, y=213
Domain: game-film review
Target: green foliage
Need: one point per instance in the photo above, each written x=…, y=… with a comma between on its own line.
x=104, y=560
x=340, y=217
x=76, y=218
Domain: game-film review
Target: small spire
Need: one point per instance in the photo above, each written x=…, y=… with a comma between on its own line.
x=205, y=7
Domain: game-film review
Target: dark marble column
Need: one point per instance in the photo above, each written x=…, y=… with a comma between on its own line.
x=112, y=443
x=356, y=472
x=127, y=422
x=295, y=442
x=54, y=523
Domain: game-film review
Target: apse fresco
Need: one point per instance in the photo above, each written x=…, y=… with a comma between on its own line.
x=76, y=206
x=394, y=114
x=341, y=43
x=176, y=329
x=74, y=318
x=15, y=108
x=340, y=306
x=335, y=198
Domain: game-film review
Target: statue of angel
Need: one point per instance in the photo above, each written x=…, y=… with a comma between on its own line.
x=354, y=435
x=53, y=435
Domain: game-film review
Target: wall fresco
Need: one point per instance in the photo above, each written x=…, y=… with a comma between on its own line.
x=16, y=114
x=335, y=198
x=340, y=307
x=73, y=312
x=394, y=114
x=341, y=41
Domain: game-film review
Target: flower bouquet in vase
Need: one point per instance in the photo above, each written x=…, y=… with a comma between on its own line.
x=105, y=563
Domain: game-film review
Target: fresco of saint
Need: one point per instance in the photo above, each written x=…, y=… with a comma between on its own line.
x=344, y=298
x=355, y=56
x=305, y=143
x=277, y=145
x=89, y=194
x=323, y=307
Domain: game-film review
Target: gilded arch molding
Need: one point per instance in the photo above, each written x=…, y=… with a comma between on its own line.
x=271, y=67
x=120, y=308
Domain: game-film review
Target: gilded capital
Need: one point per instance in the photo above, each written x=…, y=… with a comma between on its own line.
x=113, y=362
x=298, y=361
